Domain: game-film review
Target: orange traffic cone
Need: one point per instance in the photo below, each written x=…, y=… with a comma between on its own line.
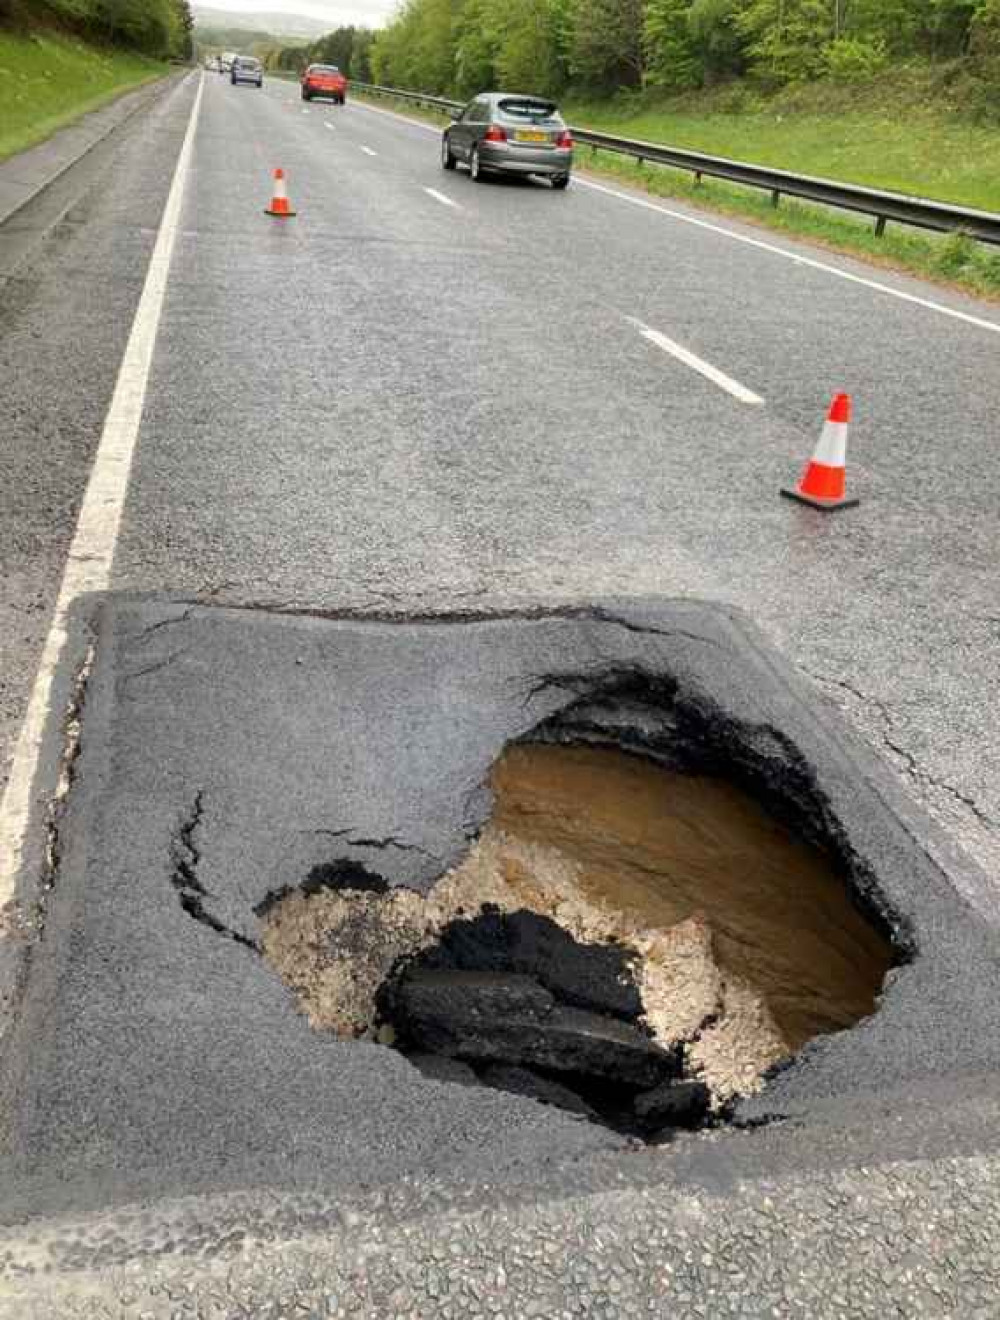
x=822, y=483
x=279, y=202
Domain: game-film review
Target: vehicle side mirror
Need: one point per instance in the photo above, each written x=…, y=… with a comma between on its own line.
x=454, y=114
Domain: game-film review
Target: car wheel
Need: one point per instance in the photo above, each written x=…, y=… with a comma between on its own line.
x=306, y=96
x=475, y=166
x=447, y=159
x=561, y=182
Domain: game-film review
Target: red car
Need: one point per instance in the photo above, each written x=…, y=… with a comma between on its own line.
x=324, y=80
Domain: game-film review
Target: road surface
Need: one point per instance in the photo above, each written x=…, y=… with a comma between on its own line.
x=426, y=395
x=423, y=394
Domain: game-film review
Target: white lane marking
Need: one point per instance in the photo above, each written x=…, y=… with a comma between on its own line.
x=88, y=564
x=401, y=119
x=440, y=197
x=368, y=151
x=305, y=112
x=927, y=303
x=696, y=363
x=327, y=124
x=800, y=260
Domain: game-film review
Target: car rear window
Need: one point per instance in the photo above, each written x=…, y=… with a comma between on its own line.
x=523, y=111
x=246, y=63
x=324, y=68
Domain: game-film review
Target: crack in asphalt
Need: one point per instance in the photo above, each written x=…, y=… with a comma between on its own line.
x=910, y=764
x=186, y=856
x=72, y=739
x=156, y=665
x=165, y=623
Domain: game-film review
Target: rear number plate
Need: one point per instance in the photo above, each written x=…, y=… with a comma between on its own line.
x=527, y=135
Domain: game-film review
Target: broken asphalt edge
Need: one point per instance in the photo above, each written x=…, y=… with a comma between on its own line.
x=957, y=872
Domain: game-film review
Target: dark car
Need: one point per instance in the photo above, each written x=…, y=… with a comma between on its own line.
x=509, y=134
x=324, y=80
x=246, y=69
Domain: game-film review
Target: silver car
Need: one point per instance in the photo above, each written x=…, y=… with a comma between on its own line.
x=246, y=69
x=510, y=134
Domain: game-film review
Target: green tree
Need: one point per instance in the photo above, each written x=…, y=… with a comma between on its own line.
x=715, y=36
x=786, y=38
x=478, y=37
x=528, y=54
x=605, y=42
x=671, y=58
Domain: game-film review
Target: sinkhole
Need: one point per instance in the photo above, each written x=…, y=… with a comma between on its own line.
x=624, y=941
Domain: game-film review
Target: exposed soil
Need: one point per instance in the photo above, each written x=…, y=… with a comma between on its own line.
x=741, y=942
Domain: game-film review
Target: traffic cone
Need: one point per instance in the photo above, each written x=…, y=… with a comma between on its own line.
x=279, y=202
x=822, y=484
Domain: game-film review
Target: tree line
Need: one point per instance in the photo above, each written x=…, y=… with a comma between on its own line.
x=160, y=28
x=349, y=48
x=459, y=47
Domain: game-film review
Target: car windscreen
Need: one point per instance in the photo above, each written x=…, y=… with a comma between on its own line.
x=521, y=110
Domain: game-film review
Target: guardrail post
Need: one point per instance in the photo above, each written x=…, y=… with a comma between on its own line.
x=775, y=198
x=697, y=177
x=880, y=222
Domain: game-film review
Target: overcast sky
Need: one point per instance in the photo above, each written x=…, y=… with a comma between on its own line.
x=337, y=13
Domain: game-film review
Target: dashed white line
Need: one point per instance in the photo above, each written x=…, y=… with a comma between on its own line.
x=327, y=124
x=88, y=565
x=810, y=262
x=368, y=151
x=440, y=197
x=696, y=363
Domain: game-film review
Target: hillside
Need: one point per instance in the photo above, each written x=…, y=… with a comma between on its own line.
x=262, y=24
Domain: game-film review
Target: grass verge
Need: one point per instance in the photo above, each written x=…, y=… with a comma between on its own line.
x=896, y=132
x=48, y=80
x=955, y=261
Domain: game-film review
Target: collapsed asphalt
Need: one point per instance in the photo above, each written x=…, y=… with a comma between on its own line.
x=226, y=754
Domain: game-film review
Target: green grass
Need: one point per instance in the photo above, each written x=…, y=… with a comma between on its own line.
x=898, y=132
x=47, y=81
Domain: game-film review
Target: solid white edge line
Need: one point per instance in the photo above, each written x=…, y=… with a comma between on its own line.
x=440, y=197
x=391, y=114
x=88, y=564
x=811, y=262
x=696, y=363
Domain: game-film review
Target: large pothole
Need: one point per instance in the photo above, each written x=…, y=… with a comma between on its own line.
x=623, y=941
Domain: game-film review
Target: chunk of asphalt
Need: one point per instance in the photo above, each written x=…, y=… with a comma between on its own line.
x=674, y=1104
x=592, y=976
x=509, y=1018
x=532, y=1085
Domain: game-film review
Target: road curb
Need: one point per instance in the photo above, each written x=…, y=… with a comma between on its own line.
x=28, y=174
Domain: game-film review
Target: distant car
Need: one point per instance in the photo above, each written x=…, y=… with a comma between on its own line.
x=247, y=69
x=225, y=62
x=509, y=134
x=324, y=80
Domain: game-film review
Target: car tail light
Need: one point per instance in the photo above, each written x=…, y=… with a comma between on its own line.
x=495, y=134
x=565, y=139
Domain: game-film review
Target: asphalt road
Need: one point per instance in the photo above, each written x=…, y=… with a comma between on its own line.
x=395, y=403
x=425, y=395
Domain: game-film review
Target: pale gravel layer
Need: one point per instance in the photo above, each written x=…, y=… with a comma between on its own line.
x=314, y=942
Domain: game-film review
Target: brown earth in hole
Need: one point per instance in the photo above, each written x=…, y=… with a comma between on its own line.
x=746, y=942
